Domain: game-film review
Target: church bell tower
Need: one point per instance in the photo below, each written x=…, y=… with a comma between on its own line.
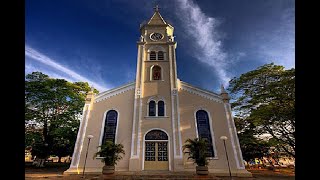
x=156, y=90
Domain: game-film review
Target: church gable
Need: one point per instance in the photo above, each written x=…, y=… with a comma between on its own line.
x=200, y=92
x=114, y=92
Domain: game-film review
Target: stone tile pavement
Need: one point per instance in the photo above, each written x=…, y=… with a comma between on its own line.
x=155, y=176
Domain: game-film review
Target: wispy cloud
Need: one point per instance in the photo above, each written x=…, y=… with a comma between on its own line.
x=34, y=54
x=203, y=29
x=278, y=45
x=30, y=67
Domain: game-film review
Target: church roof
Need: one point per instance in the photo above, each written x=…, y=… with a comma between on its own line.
x=115, y=91
x=182, y=85
x=157, y=19
x=200, y=92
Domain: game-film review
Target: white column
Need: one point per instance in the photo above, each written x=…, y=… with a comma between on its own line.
x=80, y=137
x=136, y=106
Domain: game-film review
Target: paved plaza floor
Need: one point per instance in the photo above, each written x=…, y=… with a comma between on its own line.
x=257, y=175
x=56, y=172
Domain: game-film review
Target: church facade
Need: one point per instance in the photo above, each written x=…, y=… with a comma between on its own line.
x=153, y=116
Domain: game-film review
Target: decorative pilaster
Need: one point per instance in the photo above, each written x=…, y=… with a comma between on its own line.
x=232, y=130
x=135, y=141
x=74, y=166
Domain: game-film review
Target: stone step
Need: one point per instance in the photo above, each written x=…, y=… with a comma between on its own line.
x=160, y=177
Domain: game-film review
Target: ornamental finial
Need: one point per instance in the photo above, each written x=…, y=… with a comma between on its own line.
x=222, y=89
x=156, y=8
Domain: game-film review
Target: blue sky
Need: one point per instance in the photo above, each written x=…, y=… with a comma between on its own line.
x=95, y=41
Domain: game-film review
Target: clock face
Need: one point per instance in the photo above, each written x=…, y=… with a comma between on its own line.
x=156, y=36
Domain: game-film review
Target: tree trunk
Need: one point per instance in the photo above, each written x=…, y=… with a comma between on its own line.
x=35, y=161
x=45, y=131
x=41, y=164
x=59, y=160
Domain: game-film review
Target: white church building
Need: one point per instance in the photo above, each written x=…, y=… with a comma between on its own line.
x=153, y=116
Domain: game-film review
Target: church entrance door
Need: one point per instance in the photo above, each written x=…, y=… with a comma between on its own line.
x=156, y=151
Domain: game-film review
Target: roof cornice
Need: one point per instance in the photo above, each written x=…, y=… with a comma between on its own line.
x=113, y=92
x=200, y=92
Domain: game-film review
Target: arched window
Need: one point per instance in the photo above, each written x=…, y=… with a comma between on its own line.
x=156, y=73
x=160, y=55
x=160, y=108
x=204, y=132
x=153, y=55
x=110, y=126
x=152, y=108
x=156, y=135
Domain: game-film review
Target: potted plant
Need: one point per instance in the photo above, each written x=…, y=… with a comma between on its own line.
x=110, y=154
x=197, y=151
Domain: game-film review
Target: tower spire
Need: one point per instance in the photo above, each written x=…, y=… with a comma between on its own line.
x=222, y=89
x=156, y=18
x=224, y=94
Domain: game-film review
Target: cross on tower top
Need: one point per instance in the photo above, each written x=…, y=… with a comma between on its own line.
x=156, y=8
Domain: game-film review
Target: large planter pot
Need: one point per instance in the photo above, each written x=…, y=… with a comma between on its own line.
x=108, y=170
x=202, y=170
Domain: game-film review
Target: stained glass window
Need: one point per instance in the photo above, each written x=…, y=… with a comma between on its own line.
x=156, y=73
x=110, y=126
x=160, y=55
x=160, y=108
x=152, y=55
x=152, y=108
x=156, y=135
x=204, y=130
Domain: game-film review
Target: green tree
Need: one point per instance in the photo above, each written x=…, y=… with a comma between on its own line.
x=54, y=106
x=265, y=98
x=32, y=136
x=252, y=147
x=64, y=139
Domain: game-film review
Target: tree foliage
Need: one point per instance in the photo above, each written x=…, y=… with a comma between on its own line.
x=251, y=146
x=53, y=107
x=265, y=98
